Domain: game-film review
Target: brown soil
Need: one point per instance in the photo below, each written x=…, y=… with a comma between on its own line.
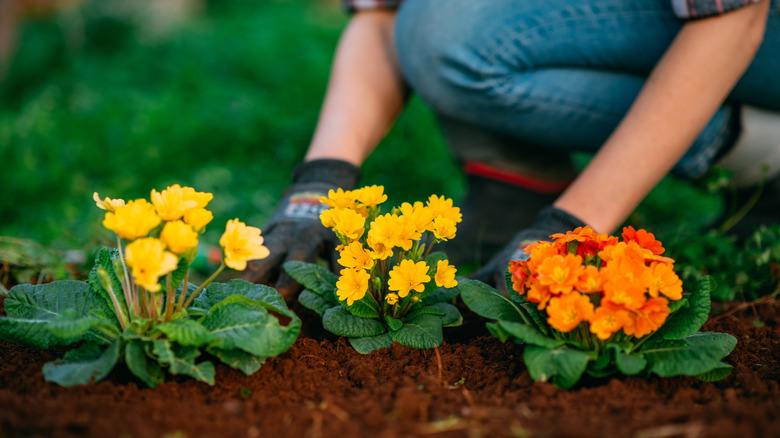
x=322, y=388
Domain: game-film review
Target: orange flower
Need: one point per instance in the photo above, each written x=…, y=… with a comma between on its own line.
x=589, y=243
x=649, y=318
x=644, y=239
x=518, y=269
x=537, y=293
x=665, y=281
x=590, y=280
x=608, y=319
x=567, y=311
x=540, y=251
x=625, y=283
x=561, y=273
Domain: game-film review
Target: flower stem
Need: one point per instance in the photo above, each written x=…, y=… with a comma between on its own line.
x=183, y=293
x=126, y=285
x=202, y=286
x=170, y=298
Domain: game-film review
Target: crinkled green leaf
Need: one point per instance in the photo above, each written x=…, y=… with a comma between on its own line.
x=422, y=331
x=86, y=364
x=425, y=310
x=702, y=354
x=528, y=334
x=107, y=259
x=561, y=365
x=716, y=374
x=364, y=307
x=628, y=364
x=441, y=295
x=265, y=296
x=185, y=332
x=368, y=344
x=252, y=329
x=141, y=365
x=181, y=360
x=451, y=317
x=339, y=321
x=71, y=325
x=393, y=323
x=241, y=360
x=689, y=318
x=310, y=300
x=489, y=302
x=316, y=278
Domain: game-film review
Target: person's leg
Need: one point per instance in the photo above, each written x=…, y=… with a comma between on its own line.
x=539, y=79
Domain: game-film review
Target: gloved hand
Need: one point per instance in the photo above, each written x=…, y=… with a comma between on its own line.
x=549, y=221
x=294, y=231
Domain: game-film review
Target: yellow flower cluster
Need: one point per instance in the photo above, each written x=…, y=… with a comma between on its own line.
x=595, y=279
x=383, y=255
x=160, y=232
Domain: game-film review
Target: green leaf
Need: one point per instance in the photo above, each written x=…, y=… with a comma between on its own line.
x=716, y=374
x=393, y=323
x=441, y=295
x=368, y=344
x=252, y=329
x=83, y=365
x=177, y=276
x=32, y=308
x=364, y=307
x=425, y=310
x=422, y=331
x=561, y=365
x=106, y=259
x=702, y=354
x=451, y=317
x=628, y=364
x=310, y=300
x=339, y=321
x=185, y=332
x=528, y=334
x=265, y=296
x=181, y=360
x=141, y=365
x=238, y=359
x=488, y=302
x=72, y=325
x=689, y=318
x=316, y=278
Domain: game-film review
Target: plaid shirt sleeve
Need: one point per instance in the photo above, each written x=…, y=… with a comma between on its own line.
x=356, y=5
x=692, y=9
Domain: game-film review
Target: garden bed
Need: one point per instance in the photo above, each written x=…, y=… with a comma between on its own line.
x=476, y=386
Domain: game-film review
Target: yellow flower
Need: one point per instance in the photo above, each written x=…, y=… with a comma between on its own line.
x=328, y=217
x=198, y=218
x=352, y=285
x=131, y=221
x=443, y=228
x=384, y=234
x=340, y=199
x=445, y=274
x=241, y=244
x=171, y=204
x=179, y=237
x=355, y=256
x=391, y=299
x=418, y=214
x=149, y=261
x=442, y=206
x=107, y=204
x=371, y=196
x=408, y=276
x=349, y=223
x=202, y=198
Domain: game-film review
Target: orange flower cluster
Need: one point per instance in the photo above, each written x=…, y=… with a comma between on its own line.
x=586, y=277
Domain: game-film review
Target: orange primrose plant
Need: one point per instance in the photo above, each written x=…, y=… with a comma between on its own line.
x=592, y=303
x=391, y=287
x=138, y=306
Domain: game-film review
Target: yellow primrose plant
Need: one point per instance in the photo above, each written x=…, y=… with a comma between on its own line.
x=589, y=303
x=391, y=287
x=138, y=307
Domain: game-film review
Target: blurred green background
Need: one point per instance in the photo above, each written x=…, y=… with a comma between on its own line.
x=122, y=96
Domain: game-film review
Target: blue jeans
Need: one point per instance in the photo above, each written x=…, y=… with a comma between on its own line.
x=559, y=75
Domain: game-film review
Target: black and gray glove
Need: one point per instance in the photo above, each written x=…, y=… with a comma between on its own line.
x=551, y=220
x=294, y=231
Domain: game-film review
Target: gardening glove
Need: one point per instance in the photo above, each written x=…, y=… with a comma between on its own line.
x=550, y=220
x=294, y=231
